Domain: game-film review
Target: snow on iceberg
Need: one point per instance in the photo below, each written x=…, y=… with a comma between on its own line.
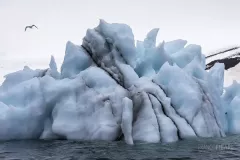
x=110, y=89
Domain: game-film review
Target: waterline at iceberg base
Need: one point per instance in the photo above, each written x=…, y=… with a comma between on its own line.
x=111, y=89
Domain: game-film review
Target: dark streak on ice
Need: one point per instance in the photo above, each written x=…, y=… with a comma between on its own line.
x=176, y=111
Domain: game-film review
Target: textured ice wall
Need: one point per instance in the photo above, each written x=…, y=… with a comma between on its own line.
x=110, y=89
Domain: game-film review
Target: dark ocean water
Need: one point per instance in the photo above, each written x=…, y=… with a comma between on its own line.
x=205, y=149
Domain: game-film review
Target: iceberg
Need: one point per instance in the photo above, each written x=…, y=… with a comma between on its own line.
x=109, y=89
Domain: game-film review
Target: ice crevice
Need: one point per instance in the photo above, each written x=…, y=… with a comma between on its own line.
x=178, y=114
x=109, y=89
x=214, y=110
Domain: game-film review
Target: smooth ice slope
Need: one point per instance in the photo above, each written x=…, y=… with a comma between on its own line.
x=110, y=89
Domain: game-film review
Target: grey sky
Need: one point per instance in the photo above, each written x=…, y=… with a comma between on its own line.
x=211, y=23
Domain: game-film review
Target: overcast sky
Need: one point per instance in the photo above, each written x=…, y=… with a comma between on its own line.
x=213, y=24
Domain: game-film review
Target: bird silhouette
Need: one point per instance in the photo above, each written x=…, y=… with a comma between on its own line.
x=30, y=27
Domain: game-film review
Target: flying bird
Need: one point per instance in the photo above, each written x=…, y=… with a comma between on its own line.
x=31, y=27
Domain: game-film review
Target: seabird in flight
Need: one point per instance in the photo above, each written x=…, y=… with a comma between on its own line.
x=30, y=27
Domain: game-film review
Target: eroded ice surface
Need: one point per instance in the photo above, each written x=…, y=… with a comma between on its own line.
x=110, y=89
